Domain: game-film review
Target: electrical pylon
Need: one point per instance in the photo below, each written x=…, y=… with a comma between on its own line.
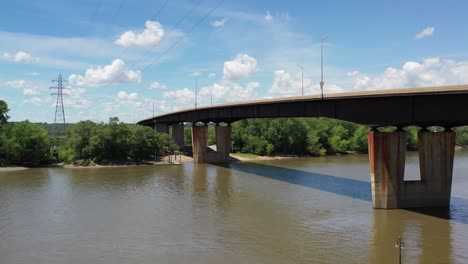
x=59, y=109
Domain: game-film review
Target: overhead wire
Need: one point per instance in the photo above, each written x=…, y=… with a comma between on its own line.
x=170, y=31
x=180, y=39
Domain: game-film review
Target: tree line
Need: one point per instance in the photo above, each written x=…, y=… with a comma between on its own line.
x=26, y=143
x=86, y=142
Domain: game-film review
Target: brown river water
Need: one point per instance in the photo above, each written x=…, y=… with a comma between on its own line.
x=310, y=210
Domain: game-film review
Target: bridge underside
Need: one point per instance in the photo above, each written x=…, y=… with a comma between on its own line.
x=423, y=107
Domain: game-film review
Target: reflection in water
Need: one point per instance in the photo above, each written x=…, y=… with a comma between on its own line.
x=284, y=211
x=423, y=236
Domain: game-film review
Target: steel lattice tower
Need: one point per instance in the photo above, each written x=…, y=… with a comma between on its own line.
x=59, y=109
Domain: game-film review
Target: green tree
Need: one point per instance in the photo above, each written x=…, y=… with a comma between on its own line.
x=25, y=143
x=4, y=112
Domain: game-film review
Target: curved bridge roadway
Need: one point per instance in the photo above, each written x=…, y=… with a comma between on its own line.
x=442, y=106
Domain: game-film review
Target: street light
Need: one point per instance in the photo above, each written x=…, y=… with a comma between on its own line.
x=196, y=92
x=302, y=70
x=321, y=65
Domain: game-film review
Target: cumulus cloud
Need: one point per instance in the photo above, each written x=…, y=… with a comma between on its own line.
x=228, y=91
x=115, y=73
x=268, y=17
x=75, y=99
x=151, y=35
x=28, y=89
x=128, y=99
x=157, y=85
x=429, y=31
x=34, y=101
x=284, y=83
x=16, y=83
x=211, y=75
x=429, y=72
x=241, y=67
x=219, y=23
x=20, y=56
x=183, y=98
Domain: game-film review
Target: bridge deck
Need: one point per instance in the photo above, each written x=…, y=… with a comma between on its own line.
x=443, y=105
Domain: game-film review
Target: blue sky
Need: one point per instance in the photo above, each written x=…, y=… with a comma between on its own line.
x=120, y=56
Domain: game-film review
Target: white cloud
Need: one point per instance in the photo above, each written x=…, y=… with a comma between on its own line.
x=75, y=99
x=153, y=34
x=241, y=67
x=20, y=56
x=268, y=17
x=352, y=73
x=115, y=73
x=128, y=99
x=195, y=73
x=122, y=95
x=429, y=31
x=211, y=75
x=284, y=83
x=183, y=98
x=30, y=91
x=219, y=23
x=16, y=83
x=228, y=91
x=34, y=100
x=430, y=72
x=157, y=85
x=287, y=84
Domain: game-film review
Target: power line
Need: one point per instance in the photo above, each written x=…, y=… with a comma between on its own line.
x=169, y=31
x=177, y=42
x=157, y=14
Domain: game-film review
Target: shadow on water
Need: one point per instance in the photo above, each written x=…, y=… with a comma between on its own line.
x=352, y=188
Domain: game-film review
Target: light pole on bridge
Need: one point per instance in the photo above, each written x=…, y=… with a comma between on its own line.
x=321, y=65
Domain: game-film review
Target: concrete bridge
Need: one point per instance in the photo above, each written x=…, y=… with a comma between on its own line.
x=432, y=106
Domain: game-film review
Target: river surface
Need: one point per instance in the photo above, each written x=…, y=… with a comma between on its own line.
x=311, y=210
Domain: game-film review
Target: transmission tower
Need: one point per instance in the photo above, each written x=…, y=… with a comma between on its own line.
x=59, y=110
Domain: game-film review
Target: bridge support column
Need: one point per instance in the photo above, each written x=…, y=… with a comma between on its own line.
x=223, y=143
x=199, y=143
x=161, y=128
x=436, y=154
x=178, y=134
x=387, y=167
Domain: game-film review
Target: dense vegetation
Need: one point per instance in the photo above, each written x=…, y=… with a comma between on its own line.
x=311, y=136
x=26, y=143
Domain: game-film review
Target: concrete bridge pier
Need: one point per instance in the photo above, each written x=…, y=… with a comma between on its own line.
x=223, y=143
x=200, y=141
x=178, y=134
x=387, y=153
x=161, y=128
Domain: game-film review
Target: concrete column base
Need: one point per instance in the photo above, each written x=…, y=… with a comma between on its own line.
x=387, y=165
x=199, y=143
x=178, y=134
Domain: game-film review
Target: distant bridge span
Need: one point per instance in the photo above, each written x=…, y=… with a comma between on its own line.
x=433, y=106
x=444, y=106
